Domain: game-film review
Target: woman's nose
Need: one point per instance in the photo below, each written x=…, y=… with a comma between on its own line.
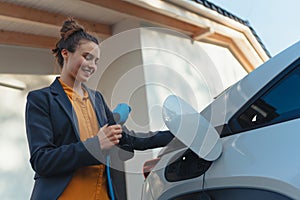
x=92, y=64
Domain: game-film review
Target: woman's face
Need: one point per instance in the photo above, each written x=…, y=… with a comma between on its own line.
x=81, y=64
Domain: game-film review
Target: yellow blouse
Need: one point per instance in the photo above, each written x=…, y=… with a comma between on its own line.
x=88, y=183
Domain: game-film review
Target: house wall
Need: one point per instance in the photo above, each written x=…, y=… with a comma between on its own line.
x=195, y=71
x=142, y=66
x=26, y=60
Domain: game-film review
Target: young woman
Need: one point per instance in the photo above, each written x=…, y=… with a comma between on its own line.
x=71, y=130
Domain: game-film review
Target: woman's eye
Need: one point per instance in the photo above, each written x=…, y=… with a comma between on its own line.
x=88, y=57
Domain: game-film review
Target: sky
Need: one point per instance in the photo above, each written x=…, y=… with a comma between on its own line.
x=276, y=22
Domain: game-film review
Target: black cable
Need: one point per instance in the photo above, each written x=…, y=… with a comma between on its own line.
x=203, y=194
x=203, y=181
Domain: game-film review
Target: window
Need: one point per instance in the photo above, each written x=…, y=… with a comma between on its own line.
x=279, y=103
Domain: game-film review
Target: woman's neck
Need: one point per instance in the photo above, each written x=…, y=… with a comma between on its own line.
x=76, y=85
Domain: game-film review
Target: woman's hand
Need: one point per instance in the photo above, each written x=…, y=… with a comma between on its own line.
x=109, y=135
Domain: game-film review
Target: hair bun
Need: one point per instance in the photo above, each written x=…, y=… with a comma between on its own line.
x=69, y=27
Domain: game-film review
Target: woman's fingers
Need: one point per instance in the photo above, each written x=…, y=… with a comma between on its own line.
x=109, y=135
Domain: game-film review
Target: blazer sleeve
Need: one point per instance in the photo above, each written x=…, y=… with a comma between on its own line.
x=47, y=157
x=149, y=140
x=139, y=140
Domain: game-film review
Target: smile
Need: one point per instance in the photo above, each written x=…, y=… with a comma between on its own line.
x=88, y=70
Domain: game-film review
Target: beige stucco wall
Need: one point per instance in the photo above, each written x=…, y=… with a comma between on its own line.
x=26, y=60
x=142, y=66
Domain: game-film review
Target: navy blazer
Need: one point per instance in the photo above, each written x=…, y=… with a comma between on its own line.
x=55, y=147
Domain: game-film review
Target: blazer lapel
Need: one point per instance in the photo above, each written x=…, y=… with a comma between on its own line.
x=98, y=106
x=63, y=100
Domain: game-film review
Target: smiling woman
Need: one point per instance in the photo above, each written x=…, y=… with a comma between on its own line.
x=77, y=53
x=72, y=133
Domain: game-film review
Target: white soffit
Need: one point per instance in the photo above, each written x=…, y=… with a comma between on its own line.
x=74, y=8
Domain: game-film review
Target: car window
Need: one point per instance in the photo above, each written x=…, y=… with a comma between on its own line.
x=279, y=103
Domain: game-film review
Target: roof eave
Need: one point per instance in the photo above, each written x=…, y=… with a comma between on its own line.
x=214, y=28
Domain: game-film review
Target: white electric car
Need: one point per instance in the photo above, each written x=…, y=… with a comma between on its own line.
x=244, y=145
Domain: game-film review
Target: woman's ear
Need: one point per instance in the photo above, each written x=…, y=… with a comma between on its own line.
x=64, y=53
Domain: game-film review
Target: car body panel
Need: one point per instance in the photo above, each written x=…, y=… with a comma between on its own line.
x=252, y=151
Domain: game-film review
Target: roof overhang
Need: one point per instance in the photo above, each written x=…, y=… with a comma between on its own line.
x=27, y=23
x=214, y=28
